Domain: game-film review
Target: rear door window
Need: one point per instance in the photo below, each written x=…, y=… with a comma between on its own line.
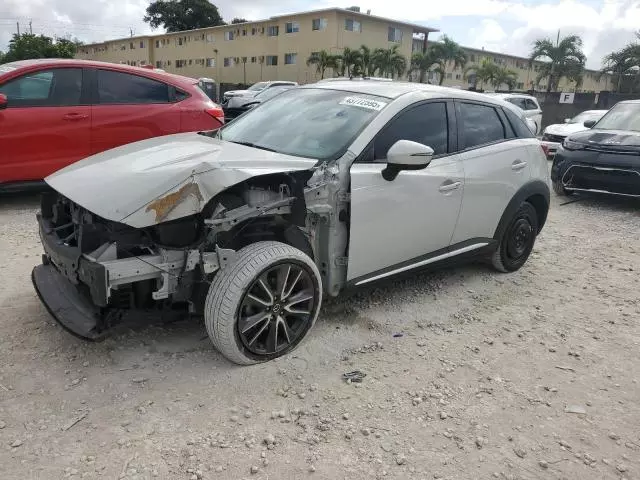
x=124, y=88
x=45, y=88
x=518, y=102
x=481, y=125
x=531, y=105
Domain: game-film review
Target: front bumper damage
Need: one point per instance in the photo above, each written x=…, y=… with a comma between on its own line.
x=597, y=172
x=90, y=293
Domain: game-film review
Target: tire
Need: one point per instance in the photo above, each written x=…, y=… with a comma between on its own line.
x=240, y=294
x=517, y=240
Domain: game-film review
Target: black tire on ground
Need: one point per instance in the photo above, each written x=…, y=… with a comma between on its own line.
x=264, y=304
x=517, y=240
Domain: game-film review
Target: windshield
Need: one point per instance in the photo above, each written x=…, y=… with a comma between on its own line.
x=624, y=116
x=584, y=116
x=256, y=87
x=314, y=123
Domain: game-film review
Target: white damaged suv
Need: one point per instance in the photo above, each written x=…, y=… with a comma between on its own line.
x=322, y=188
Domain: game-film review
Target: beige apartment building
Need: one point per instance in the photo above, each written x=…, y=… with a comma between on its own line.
x=273, y=49
x=593, y=81
x=278, y=49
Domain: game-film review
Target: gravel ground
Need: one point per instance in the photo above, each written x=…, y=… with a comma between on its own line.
x=470, y=374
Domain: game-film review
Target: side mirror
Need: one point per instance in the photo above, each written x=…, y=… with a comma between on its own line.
x=406, y=155
x=567, y=120
x=589, y=123
x=4, y=101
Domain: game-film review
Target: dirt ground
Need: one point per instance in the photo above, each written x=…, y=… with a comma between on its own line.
x=469, y=374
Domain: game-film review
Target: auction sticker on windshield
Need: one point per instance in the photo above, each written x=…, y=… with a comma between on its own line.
x=364, y=103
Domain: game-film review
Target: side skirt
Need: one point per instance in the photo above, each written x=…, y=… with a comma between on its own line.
x=459, y=253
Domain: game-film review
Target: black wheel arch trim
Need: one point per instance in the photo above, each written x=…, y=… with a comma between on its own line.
x=529, y=192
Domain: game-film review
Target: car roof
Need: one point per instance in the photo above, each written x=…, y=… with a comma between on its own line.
x=63, y=62
x=394, y=90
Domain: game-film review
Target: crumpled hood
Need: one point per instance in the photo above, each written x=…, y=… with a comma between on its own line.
x=564, y=129
x=609, y=138
x=165, y=178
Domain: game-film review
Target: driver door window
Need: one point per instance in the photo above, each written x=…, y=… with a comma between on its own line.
x=425, y=124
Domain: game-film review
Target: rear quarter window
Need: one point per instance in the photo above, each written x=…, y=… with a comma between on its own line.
x=517, y=124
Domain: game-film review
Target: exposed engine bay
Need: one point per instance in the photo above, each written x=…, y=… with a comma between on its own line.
x=170, y=264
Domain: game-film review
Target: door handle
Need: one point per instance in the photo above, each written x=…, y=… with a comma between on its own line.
x=447, y=187
x=518, y=165
x=75, y=116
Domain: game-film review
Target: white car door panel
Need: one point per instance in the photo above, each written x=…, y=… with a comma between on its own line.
x=495, y=167
x=493, y=174
x=399, y=220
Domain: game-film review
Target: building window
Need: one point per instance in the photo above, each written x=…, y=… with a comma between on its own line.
x=211, y=62
x=253, y=59
x=290, y=58
x=272, y=60
x=190, y=62
x=228, y=35
x=210, y=38
x=132, y=46
x=472, y=58
x=394, y=35
x=458, y=76
x=141, y=44
x=520, y=86
x=273, y=31
x=229, y=62
x=254, y=30
x=318, y=24
x=449, y=76
x=181, y=63
x=352, y=25
x=292, y=27
x=157, y=43
x=158, y=63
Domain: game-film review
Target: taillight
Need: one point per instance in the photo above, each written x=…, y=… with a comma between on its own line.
x=216, y=112
x=545, y=149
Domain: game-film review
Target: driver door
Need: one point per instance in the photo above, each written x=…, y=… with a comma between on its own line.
x=402, y=223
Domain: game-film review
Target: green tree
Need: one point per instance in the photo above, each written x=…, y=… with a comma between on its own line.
x=485, y=72
x=622, y=63
x=237, y=20
x=564, y=58
x=448, y=53
x=389, y=62
x=366, y=61
x=423, y=62
x=323, y=60
x=350, y=62
x=177, y=15
x=27, y=46
x=505, y=76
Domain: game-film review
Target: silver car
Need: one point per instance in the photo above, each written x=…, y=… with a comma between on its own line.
x=322, y=188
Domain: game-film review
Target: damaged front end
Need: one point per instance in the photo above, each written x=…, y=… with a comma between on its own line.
x=97, y=273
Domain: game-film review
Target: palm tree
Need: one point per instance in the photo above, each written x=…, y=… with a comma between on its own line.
x=366, y=61
x=322, y=60
x=562, y=59
x=449, y=52
x=623, y=61
x=350, y=61
x=486, y=72
x=422, y=62
x=389, y=62
x=505, y=76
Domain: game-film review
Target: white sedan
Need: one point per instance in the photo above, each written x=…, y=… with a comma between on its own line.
x=555, y=134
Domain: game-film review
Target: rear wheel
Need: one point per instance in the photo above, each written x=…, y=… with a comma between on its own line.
x=517, y=240
x=263, y=305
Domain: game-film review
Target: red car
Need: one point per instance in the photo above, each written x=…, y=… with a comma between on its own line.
x=55, y=112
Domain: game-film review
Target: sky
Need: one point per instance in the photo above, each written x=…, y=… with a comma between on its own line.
x=507, y=26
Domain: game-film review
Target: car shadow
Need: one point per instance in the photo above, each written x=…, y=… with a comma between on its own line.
x=20, y=200
x=613, y=202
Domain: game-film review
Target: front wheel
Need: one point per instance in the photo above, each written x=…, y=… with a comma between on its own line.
x=559, y=188
x=517, y=240
x=263, y=305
